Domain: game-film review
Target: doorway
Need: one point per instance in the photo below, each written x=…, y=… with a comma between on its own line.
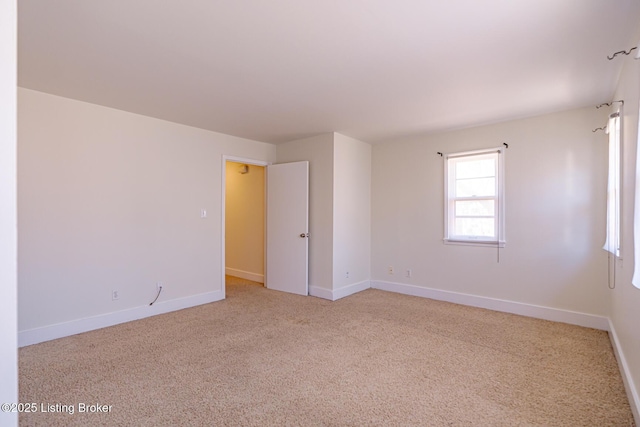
x=244, y=249
x=245, y=213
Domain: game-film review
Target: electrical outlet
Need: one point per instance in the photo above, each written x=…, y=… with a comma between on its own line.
x=408, y=273
x=115, y=295
x=346, y=275
x=390, y=270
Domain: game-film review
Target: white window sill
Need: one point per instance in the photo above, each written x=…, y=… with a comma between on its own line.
x=481, y=243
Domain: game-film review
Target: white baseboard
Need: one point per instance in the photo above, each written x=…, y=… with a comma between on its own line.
x=345, y=291
x=632, y=392
x=323, y=293
x=247, y=275
x=529, y=310
x=60, y=330
x=342, y=292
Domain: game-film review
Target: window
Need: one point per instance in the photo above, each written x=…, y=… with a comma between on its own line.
x=612, y=243
x=474, y=198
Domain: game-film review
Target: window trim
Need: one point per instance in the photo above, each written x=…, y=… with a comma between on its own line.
x=499, y=240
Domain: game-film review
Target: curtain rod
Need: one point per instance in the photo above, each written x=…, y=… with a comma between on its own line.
x=612, y=115
x=439, y=153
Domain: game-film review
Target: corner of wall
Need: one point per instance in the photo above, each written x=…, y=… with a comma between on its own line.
x=342, y=292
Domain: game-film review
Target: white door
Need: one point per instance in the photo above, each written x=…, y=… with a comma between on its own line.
x=288, y=227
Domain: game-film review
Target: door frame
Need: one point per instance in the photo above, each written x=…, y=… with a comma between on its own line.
x=223, y=226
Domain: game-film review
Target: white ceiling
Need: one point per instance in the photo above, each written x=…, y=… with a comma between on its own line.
x=278, y=70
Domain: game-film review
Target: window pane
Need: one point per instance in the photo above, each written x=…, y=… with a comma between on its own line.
x=484, y=227
x=479, y=168
x=475, y=208
x=475, y=187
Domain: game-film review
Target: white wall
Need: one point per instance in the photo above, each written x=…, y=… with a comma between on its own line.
x=625, y=298
x=351, y=211
x=339, y=211
x=555, y=195
x=245, y=218
x=110, y=200
x=8, y=206
x=318, y=151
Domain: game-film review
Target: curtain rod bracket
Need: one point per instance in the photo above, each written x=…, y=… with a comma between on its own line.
x=439, y=154
x=609, y=104
x=625, y=52
x=505, y=145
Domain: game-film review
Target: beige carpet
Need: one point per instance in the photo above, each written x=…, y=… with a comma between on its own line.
x=375, y=358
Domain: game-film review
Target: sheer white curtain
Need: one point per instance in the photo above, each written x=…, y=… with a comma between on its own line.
x=636, y=215
x=612, y=243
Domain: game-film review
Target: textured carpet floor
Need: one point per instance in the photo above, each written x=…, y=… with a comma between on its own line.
x=375, y=358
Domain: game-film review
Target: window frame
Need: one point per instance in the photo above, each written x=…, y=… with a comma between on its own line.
x=499, y=239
